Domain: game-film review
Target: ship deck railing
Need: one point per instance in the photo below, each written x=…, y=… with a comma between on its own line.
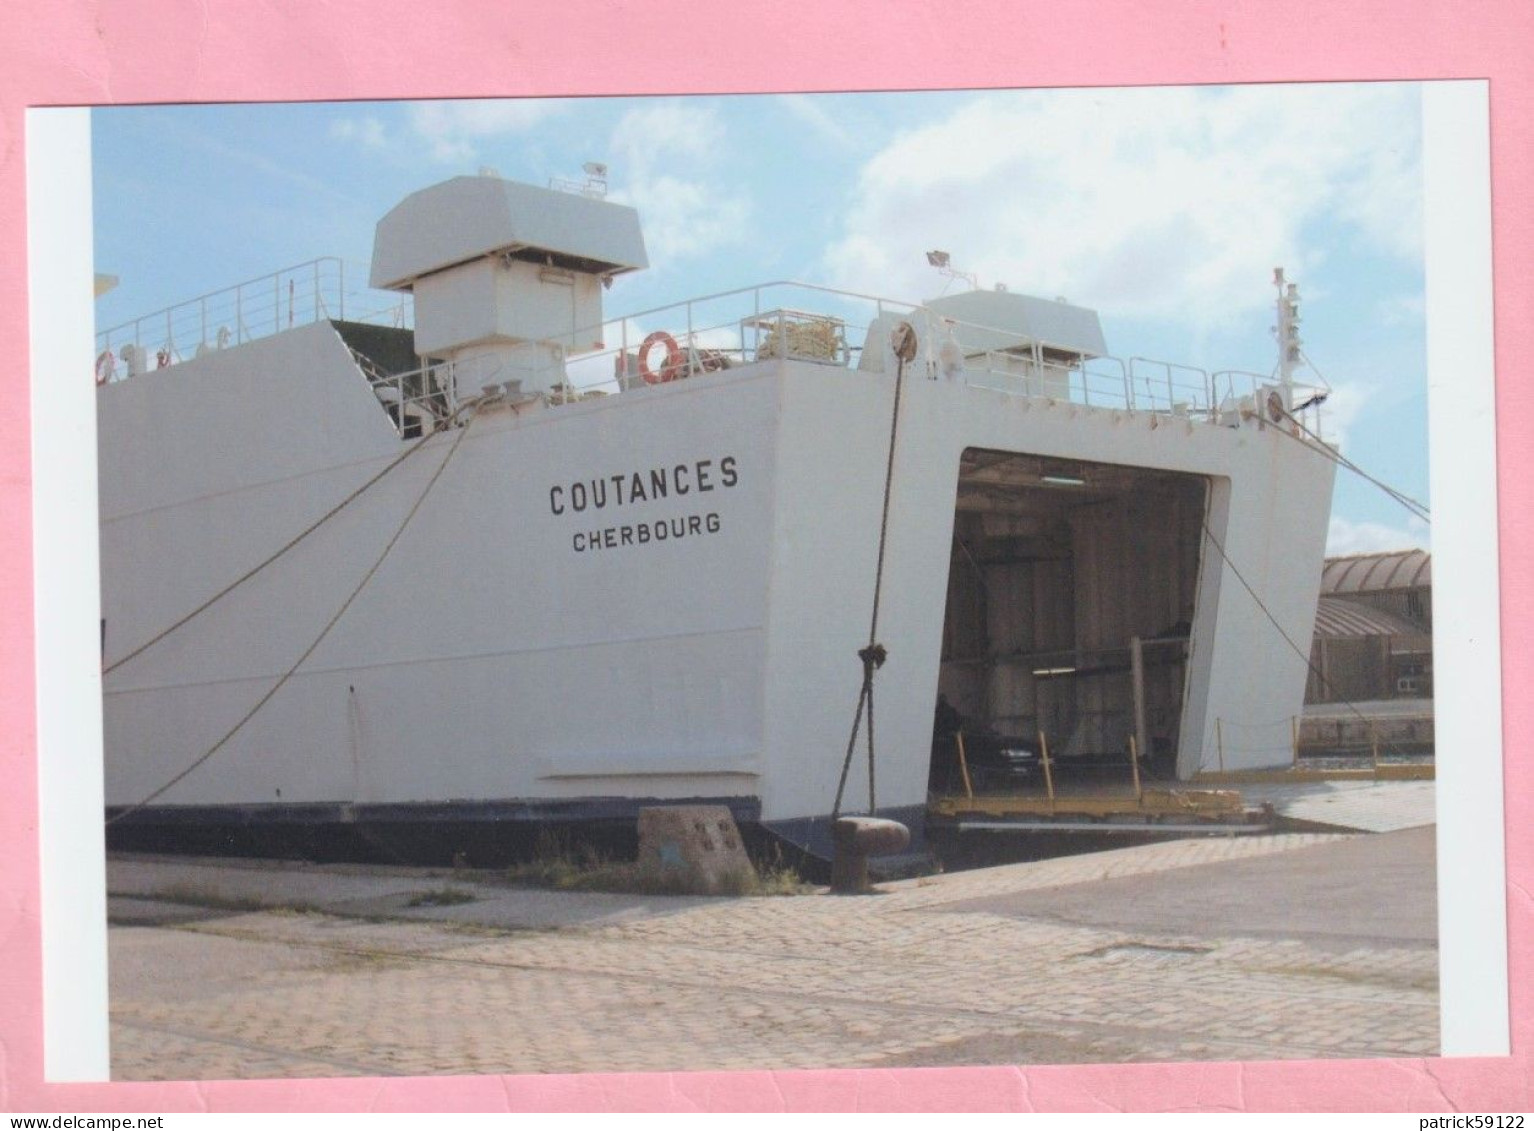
x=806, y=322
x=783, y=319
x=313, y=291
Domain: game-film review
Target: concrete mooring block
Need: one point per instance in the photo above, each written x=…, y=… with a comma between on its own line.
x=699, y=843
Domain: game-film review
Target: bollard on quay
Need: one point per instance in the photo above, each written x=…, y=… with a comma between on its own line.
x=854, y=840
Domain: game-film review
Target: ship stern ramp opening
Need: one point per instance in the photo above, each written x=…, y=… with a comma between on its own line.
x=1119, y=545
x=1071, y=598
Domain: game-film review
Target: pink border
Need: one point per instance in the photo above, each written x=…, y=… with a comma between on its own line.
x=81, y=53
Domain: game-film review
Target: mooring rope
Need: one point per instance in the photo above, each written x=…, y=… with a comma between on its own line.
x=874, y=655
x=1315, y=443
x=1325, y=683
x=292, y=542
x=324, y=632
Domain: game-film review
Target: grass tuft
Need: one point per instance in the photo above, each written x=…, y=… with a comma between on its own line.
x=446, y=897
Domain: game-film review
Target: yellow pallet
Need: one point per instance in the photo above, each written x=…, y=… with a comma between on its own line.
x=1214, y=803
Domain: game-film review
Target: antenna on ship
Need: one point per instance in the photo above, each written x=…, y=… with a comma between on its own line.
x=592, y=184
x=1287, y=329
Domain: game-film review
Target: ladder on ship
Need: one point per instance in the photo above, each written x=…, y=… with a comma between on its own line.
x=412, y=402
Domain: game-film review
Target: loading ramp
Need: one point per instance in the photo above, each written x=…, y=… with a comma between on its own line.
x=1059, y=804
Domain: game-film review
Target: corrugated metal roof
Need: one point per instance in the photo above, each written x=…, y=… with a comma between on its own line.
x=1337, y=616
x=1377, y=573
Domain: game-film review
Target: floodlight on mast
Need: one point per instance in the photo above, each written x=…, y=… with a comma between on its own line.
x=941, y=260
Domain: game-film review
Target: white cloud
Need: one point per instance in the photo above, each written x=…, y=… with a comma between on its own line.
x=683, y=218
x=1345, y=405
x=665, y=156
x=1171, y=203
x=453, y=131
x=367, y=132
x=173, y=126
x=813, y=114
x=663, y=133
x=1346, y=537
x=1402, y=310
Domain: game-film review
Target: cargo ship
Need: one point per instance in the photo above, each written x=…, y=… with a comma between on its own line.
x=491, y=562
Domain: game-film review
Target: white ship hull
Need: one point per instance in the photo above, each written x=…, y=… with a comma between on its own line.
x=661, y=594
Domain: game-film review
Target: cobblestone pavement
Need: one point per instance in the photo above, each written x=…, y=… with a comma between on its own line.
x=899, y=978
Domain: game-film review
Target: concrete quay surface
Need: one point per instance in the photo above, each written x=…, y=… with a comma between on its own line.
x=1251, y=948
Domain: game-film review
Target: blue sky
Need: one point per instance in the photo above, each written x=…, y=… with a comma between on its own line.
x=1165, y=209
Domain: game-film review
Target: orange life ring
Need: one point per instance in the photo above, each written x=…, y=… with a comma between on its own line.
x=676, y=360
x=104, y=367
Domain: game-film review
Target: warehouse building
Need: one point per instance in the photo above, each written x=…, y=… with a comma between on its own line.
x=1374, y=629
